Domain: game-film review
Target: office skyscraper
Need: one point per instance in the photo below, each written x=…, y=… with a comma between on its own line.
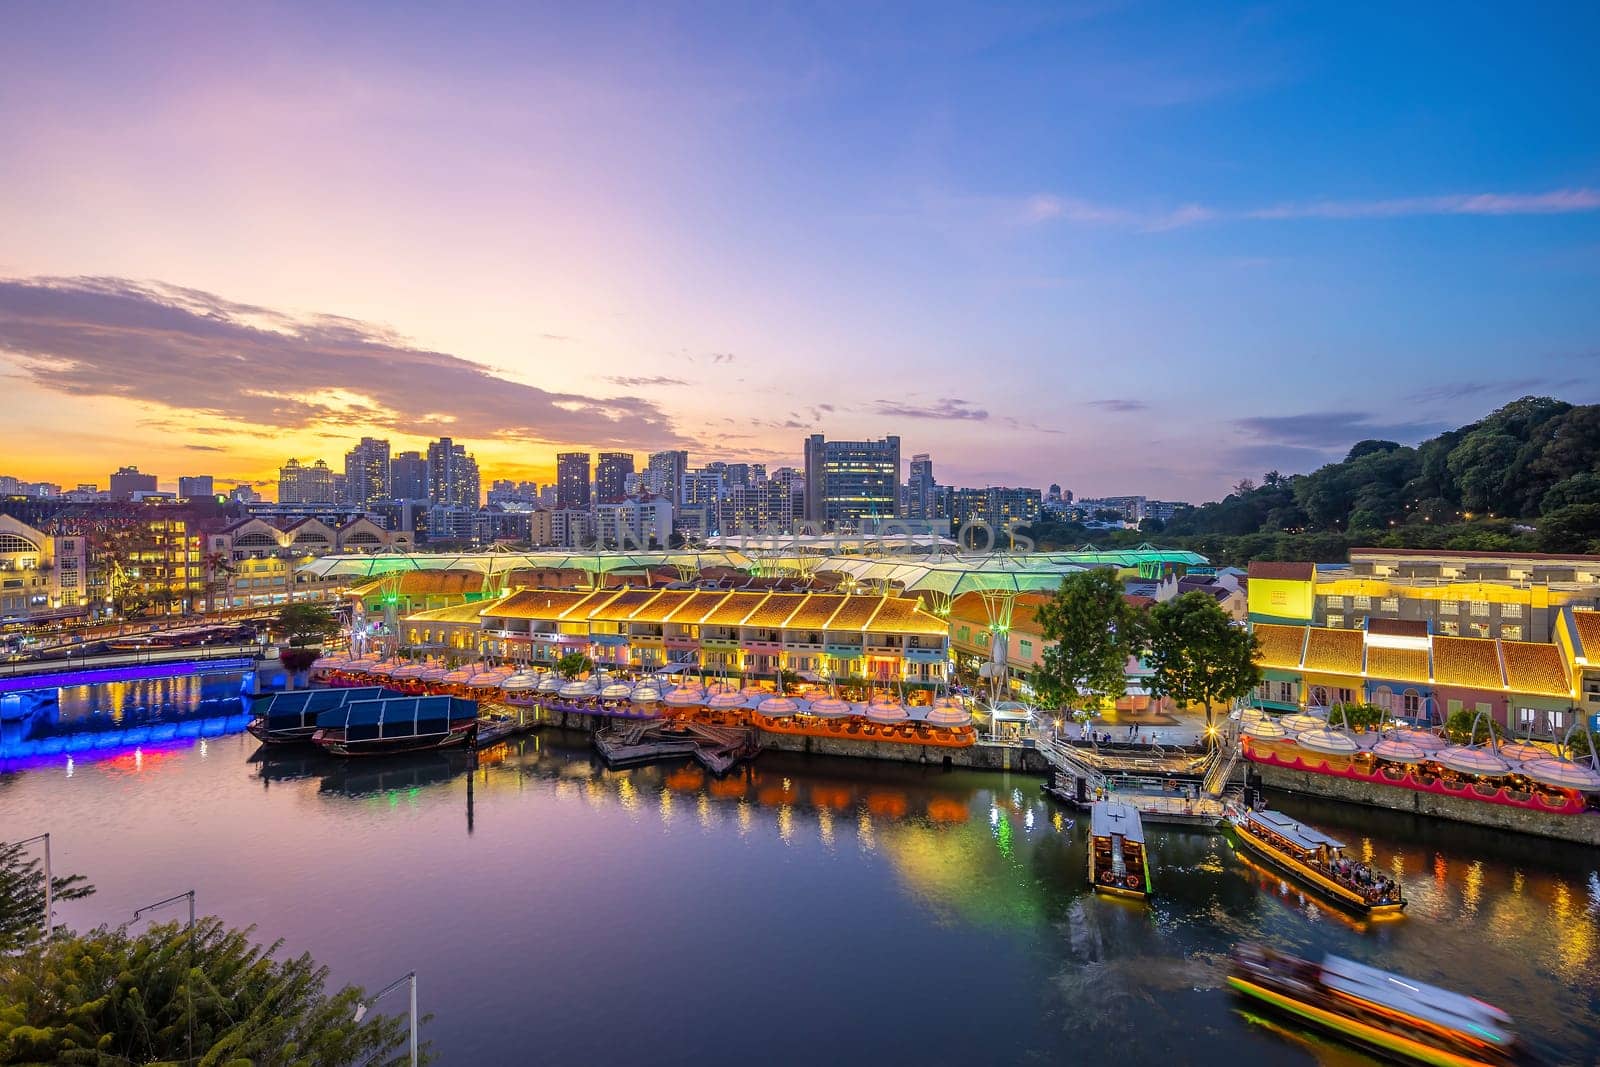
x=452, y=475
x=196, y=485
x=408, y=476
x=851, y=483
x=128, y=481
x=920, y=499
x=611, y=477
x=299, y=483
x=572, y=481
x=366, y=472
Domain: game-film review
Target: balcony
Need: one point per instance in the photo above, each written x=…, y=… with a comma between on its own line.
x=926, y=655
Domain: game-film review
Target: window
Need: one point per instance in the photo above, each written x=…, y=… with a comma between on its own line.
x=1336, y=602
x=1556, y=721
x=1361, y=603
x=1391, y=603
x=1511, y=631
x=1411, y=702
x=1343, y=696
x=1336, y=621
x=1526, y=718
x=1450, y=628
x=1511, y=611
x=1480, y=629
x=1449, y=607
x=1026, y=647
x=1285, y=692
x=1480, y=609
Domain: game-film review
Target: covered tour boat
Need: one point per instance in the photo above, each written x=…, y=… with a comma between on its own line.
x=1317, y=861
x=397, y=724
x=1388, y=1013
x=291, y=718
x=1117, y=859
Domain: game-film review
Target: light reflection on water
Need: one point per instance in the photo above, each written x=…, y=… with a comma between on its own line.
x=809, y=909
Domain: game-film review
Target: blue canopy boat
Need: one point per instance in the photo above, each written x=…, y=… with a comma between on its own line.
x=291, y=718
x=397, y=724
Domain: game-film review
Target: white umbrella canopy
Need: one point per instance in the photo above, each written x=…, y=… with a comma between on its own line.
x=409, y=670
x=685, y=697
x=948, y=716
x=1329, y=742
x=383, y=668
x=520, y=682
x=1396, y=751
x=1301, y=721
x=1426, y=740
x=1562, y=774
x=726, y=700
x=616, y=691
x=577, y=689
x=831, y=708
x=1464, y=760
x=1265, y=730
x=432, y=674
x=645, y=694
x=779, y=707
x=887, y=714
x=550, y=683
x=1522, y=751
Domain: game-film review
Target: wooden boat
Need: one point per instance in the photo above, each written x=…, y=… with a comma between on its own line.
x=397, y=724
x=291, y=718
x=1316, y=860
x=1388, y=1013
x=1117, y=859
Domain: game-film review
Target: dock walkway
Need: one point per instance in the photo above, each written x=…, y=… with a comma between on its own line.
x=716, y=748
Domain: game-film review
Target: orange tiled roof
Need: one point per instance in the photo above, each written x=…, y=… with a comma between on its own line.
x=1588, y=624
x=1280, y=646
x=733, y=609
x=539, y=603
x=622, y=606
x=696, y=605
x=815, y=612
x=1024, y=612
x=1473, y=662
x=855, y=614
x=775, y=609
x=458, y=613
x=1397, y=664
x=657, y=610
x=903, y=615
x=1335, y=651
x=1535, y=669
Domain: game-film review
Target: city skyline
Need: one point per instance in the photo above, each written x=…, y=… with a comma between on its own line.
x=1049, y=247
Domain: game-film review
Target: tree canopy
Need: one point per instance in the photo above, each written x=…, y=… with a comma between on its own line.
x=303, y=623
x=1197, y=655
x=1090, y=630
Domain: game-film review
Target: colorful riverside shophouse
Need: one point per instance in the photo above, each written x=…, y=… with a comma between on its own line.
x=881, y=640
x=1527, y=687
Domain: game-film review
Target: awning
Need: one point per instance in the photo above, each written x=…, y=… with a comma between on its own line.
x=1399, y=751
x=1562, y=774
x=1330, y=742
x=1465, y=760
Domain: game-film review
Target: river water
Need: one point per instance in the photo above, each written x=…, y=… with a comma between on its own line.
x=805, y=911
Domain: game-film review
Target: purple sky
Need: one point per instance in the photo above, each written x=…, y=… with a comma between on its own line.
x=1123, y=247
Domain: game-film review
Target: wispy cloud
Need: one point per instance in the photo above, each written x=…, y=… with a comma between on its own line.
x=1045, y=208
x=257, y=368
x=946, y=408
x=1555, y=202
x=1120, y=406
x=1327, y=430
x=628, y=382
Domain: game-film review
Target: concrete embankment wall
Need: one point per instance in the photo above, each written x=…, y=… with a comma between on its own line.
x=977, y=757
x=1582, y=829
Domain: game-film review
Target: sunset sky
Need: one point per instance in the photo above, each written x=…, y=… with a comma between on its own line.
x=1126, y=247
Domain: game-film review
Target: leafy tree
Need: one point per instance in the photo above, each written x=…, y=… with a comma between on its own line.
x=303, y=623
x=1358, y=716
x=1090, y=630
x=108, y=997
x=1465, y=727
x=573, y=664
x=1574, y=528
x=1197, y=655
x=787, y=680
x=22, y=895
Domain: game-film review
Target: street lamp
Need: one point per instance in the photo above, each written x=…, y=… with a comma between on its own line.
x=49, y=888
x=188, y=974
x=409, y=978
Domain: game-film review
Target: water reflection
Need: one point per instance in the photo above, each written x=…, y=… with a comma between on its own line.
x=661, y=886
